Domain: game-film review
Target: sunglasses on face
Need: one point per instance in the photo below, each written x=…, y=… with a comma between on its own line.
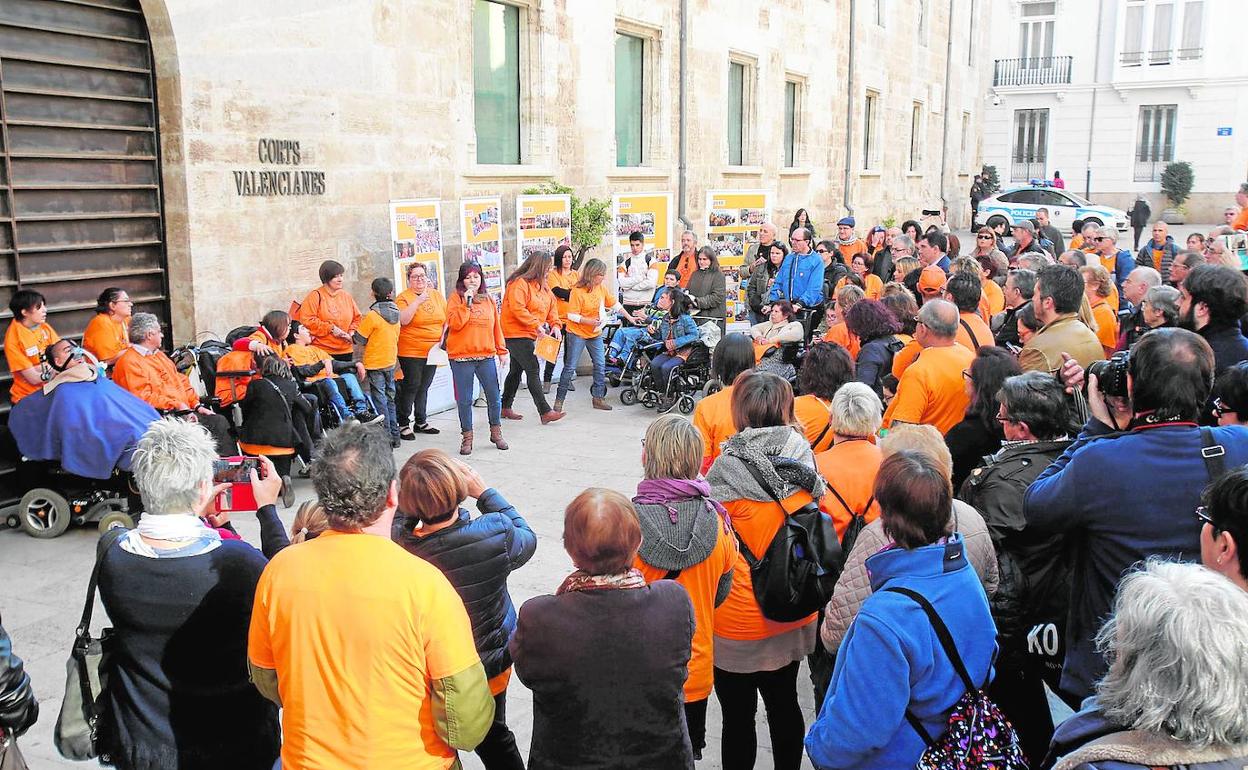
x=984, y=237
x=821, y=251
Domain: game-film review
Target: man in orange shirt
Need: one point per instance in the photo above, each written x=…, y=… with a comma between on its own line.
x=686, y=262
x=964, y=291
x=145, y=370
x=931, y=391
x=406, y=688
x=846, y=242
x=1240, y=222
x=28, y=336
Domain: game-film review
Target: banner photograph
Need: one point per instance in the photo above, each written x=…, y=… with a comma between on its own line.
x=649, y=214
x=416, y=229
x=481, y=220
x=733, y=218
x=543, y=223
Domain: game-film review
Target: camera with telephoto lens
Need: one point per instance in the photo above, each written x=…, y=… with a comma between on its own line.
x=1111, y=374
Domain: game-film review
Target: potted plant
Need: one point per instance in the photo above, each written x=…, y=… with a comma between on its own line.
x=1176, y=182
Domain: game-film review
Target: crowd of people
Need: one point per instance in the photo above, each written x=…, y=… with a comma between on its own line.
x=1030, y=461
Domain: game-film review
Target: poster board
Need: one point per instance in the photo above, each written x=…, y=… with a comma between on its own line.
x=543, y=223
x=648, y=213
x=416, y=233
x=733, y=218
x=481, y=220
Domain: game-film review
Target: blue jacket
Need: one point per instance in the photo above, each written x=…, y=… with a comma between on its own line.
x=1123, y=266
x=799, y=279
x=891, y=660
x=1122, y=497
x=477, y=555
x=684, y=331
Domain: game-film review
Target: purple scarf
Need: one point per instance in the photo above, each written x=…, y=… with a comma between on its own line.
x=666, y=492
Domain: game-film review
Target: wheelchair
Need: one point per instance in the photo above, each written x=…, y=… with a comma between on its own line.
x=690, y=378
x=54, y=498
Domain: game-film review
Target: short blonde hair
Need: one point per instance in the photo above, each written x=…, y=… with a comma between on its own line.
x=431, y=486
x=673, y=448
x=856, y=410
x=925, y=439
x=848, y=296
x=310, y=521
x=968, y=265
x=601, y=531
x=1100, y=276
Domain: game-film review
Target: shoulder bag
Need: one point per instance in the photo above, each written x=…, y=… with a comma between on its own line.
x=78, y=726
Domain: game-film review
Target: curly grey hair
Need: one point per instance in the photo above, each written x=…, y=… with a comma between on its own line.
x=141, y=325
x=1175, y=644
x=352, y=474
x=172, y=464
x=1165, y=300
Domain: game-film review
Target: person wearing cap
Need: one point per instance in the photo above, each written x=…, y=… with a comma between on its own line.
x=932, y=391
x=933, y=250
x=847, y=242
x=1024, y=232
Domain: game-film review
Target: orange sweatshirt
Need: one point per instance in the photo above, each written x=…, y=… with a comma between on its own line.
x=526, y=306
x=303, y=355
x=850, y=468
x=814, y=414
x=322, y=310
x=104, y=337
x=23, y=349
x=588, y=302
x=380, y=327
x=564, y=280
x=154, y=378
x=1106, y=325
x=475, y=332
x=713, y=419
x=932, y=391
x=421, y=333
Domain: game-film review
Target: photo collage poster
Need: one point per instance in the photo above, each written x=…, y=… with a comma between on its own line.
x=733, y=219
x=647, y=213
x=481, y=220
x=416, y=232
x=543, y=223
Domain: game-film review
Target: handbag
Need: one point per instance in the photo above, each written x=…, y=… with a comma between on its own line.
x=78, y=725
x=10, y=756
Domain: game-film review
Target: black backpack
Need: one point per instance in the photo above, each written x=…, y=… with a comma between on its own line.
x=796, y=575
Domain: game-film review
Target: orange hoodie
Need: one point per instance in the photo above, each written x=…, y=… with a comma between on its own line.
x=475, y=332
x=526, y=306
x=322, y=310
x=153, y=378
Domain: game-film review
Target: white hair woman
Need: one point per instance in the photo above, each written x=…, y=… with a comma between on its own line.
x=1174, y=693
x=173, y=588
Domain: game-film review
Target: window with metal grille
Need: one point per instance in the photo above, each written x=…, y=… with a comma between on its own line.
x=1154, y=146
x=1031, y=141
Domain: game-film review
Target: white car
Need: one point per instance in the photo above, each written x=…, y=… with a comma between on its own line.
x=1019, y=203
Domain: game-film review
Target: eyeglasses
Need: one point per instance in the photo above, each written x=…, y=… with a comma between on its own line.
x=821, y=251
x=1102, y=238
x=1003, y=419
x=984, y=238
x=1219, y=408
x=1202, y=513
x=796, y=239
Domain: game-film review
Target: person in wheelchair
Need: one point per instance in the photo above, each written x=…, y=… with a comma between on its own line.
x=676, y=335
x=645, y=326
x=317, y=371
x=780, y=328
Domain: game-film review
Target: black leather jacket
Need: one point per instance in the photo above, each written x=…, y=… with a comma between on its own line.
x=18, y=707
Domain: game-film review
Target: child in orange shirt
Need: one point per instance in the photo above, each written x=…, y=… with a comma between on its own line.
x=379, y=333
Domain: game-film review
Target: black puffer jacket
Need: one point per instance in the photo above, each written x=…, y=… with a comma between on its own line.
x=18, y=707
x=477, y=555
x=1034, y=587
x=875, y=362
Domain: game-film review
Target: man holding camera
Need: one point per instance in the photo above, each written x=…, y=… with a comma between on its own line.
x=1212, y=299
x=1056, y=300
x=1125, y=490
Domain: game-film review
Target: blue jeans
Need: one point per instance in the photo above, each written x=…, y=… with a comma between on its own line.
x=625, y=340
x=597, y=354
x=329, y=388
x=381, y=387
x=484, y=371
x=661, y=369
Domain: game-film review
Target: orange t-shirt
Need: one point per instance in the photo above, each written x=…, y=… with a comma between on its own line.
x=1106, y=324
x=850, y=467
x=22, y=348
x=321, y=310
x=932, y=392
x=848, y=250
x=475, y=332
x=756, y=523
x=686, y=266
x=418, y=335
x=356, y=654
x=873, y=286
x=1240, y=222
x=104, y=337
x=982, y=334
x=995, y=297
x=564, y=280
x=303, y=355
x=713, y=418
x=814, y=414
x=701, y=580
x=906, y=356
x=840, y=334
x=154, y=378
x=588, y=302
x=261, y=336
x=526, y=306
x=382, y=349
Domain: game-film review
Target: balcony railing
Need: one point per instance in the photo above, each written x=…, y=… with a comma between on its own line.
x=1021, y=170
x=1038, y=71
x=1165, y=56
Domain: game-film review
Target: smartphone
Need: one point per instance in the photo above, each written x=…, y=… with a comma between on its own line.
x=236, y=471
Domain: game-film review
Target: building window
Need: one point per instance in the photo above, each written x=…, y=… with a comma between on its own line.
x=740, y=111
x=921, y=21
x=1163, y=18
x=1193, y=23
x=871, y=131
x=966, y=140
x=629, y=99
x=496, y=81
x=1031, y=142
x=1154, y=33
x=1133, y=35
x=792, y=105
x=1154, y=147
x=916, y=136
x=1035, y=33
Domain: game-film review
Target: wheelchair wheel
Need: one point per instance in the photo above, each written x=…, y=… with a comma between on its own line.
x=685, y=404
x=650, y=400
x=628, y=397
x=711, y=388
x=614, y=380
x=43, y=513
x=115, y=519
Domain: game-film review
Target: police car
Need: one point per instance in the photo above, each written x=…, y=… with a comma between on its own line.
x=1019, y=203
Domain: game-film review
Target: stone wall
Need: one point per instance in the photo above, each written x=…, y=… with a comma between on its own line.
x=379, y=95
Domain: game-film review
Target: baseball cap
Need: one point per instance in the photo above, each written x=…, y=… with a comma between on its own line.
x=849, y=221
x=932, y=280
x=1024, y=224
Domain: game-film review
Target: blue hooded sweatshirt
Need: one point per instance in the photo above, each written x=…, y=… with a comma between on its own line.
x=891, y=660
x=799, y=279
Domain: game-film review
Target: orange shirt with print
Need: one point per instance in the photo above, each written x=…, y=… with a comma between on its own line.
x=701, y=581
x=814, y=414
x=588, y=302
x=419, y=335
x=323, y=309
x=978, y=330
x=756, y=523
x=713, y=418
x=1106, y=325
x=686, y=266
x=304, y=355
x=105, y=338
x=873, y=287
x=850, y=468
x=356, y=659
x=474, y=332
x=565, y=280
x=382, y=349
x=1240, y=222
x=22, y=348
x=840, y=334
x=154, y=378
x=994, y=297
x=526, y=306
x=932, y=391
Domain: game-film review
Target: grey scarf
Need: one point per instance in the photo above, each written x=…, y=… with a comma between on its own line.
x=780, y=454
